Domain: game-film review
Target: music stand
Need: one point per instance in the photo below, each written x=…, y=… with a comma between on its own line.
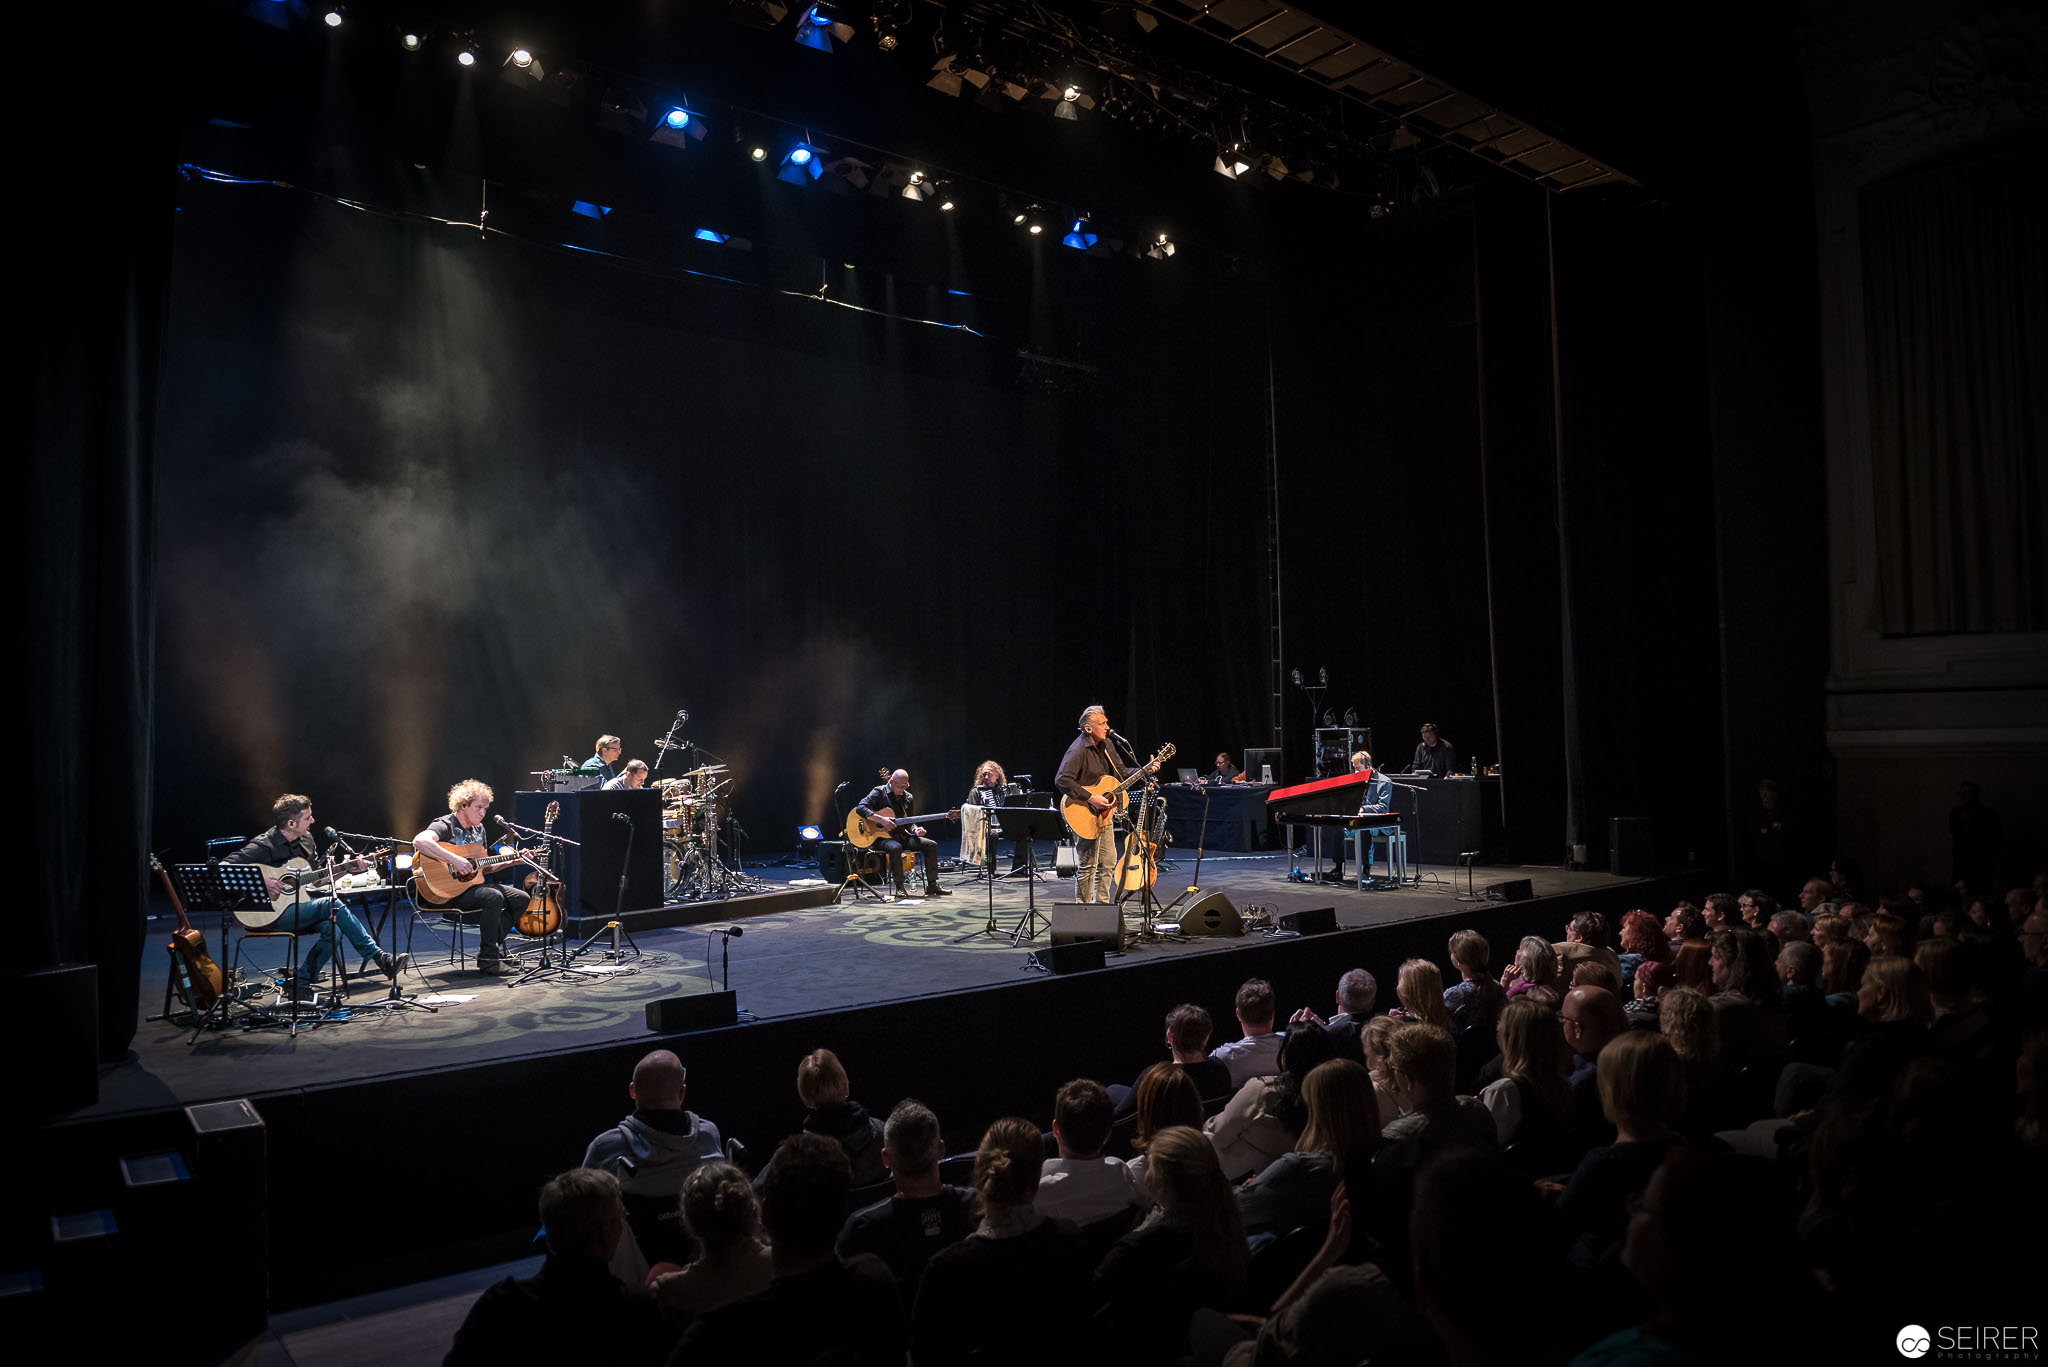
x=1021, y=852
x=1027, y=825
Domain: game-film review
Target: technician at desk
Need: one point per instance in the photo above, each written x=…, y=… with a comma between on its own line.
x=1434, y=755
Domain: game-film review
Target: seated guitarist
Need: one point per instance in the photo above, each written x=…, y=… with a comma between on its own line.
x=885, y=803
x=497, y=907
x=1087, y=760
x=292, y=838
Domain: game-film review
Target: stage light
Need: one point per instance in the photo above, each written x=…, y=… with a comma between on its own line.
x=520, y=68
x=411, y=42
x=521, y=57
x=466, y=57
x=590, y=210
x=332, y=18
x=1071, y=93
x=1035, y=229
x=711, y=235
x=946, y=206
x=820, y=29
x=1161, y=248
x=402, y=861
x=679, y=127
x=759, y=153
x=1233, y=163
x=809, y=833
x=1080, y=237
x=801, y=165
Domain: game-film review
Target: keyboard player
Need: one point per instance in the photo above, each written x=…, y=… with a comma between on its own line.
x=1378, y=797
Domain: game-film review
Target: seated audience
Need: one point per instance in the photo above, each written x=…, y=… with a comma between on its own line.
x=1015, y=1258
x=1373, y=1044
x=1585, y=937
x=1473, y=1003
x=1357, y=990
x=1690, y=1027
x=822, y=1086
x=2034, y=976
x=1266, y=1116
x=1343, y=1122
x=1591, y=1019
x=574, y=1309
x=1746, y=997
x=1187, y=1039
x=1165, y=1097
x=923, y=1215
x=1789, y=926
x=1592, y=973
x=1687, y=927
x=1887, y=935
x=1422, y=1068
x=1893, y=1004
x=817, y=1303
x=650, y=1152
x=1483, y=1237
x=1535, y=966
x=1419, y=988
x=1081, y=1184
x=1257, y=1053
x=1723, y=912
x=1842, y=962
x=1814, y=895
x=1642, y=941
x=722, y=1216
x=1757, y=907
x=1189, y=1253
x=1810, y=1027
x=1531, y=1098
x=1642, y=1094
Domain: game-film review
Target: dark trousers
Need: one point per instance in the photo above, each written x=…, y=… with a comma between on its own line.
x=927, y=852
x=495, y=907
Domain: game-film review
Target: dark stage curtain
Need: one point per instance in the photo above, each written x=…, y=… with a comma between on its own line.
x=1955, y=291
x=95, y=285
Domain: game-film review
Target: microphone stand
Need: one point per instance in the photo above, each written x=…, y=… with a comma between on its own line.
x=1412, y=788
x=669, y=741
x=725, y=935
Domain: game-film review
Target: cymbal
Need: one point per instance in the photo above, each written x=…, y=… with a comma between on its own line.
x=706, y=771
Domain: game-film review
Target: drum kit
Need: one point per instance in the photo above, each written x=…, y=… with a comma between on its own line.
x=692, y=806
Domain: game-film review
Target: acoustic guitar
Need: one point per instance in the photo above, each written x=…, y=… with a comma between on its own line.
x=434, y=884
x=202, y=974
x=544, y=912
x=299, y=878
x=1084, y=820
x=863, y=831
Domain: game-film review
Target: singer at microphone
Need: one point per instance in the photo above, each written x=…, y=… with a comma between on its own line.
x=1088, y=761
x=459, y=840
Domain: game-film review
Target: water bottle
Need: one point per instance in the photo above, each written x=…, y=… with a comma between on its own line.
x=1475, y=766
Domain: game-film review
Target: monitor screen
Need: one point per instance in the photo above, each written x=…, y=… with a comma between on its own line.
x=1256, y=759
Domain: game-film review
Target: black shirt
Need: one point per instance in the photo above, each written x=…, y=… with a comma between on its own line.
x=1046, y=1269
x=883, y=798
x=575, y=1310
x=1436, y=760
x=272, y=848
x=1084, y=763
x=848, y=1305
x=905, y=1231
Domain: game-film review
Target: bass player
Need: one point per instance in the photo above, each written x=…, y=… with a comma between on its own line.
x=292, y=838
x=1088, y=759
x=887, y=802
x=497, y=907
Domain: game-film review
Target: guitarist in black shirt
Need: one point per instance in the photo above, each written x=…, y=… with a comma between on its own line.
x=887, y=803
x=292, y=838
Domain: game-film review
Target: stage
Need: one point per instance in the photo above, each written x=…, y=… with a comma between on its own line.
x=449, y=1121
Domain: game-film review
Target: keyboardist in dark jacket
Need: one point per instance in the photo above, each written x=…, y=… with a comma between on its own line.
x=1379, y=797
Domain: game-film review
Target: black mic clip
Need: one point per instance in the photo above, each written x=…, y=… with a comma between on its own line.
x=621, y=816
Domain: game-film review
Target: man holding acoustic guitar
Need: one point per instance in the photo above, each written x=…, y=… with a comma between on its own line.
x=457, y=841
x=890, y=807
x=1092, y=778
x=292, y=838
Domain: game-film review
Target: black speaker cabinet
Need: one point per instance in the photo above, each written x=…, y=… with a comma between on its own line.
x=1628, y=845
x=62, y=1071
x=230, y=1172
x=1077, y=956
x=1211, y=915
x=1073, y=921
x=1513, y=890
x=698, y=1011
x=590, y=870
x=1314, y=921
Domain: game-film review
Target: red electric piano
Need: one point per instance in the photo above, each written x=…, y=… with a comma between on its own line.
x=1333, y=802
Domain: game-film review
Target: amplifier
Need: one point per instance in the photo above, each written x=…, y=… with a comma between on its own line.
x=1315, y=921
x=1072, y=921
x=698, y=1011
x=1078, y=956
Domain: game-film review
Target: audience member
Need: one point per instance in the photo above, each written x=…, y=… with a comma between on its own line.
x=822, y=1086
x=1585, y=937
x=1690, y=1027
x=2034, y=976
x=1531, y=1098
x=1165, y=1097
x=1964, y=1031
x=1343, y=1124
x=650, y=1152
x=1810, y=1026
x=1815, y=894
x=1592, y=973
x=1757, y=908
x=574, y=1309
x=1887, y=935
x=1473, y=1003
x=1642, y=1094
x=924, y=1214
x=1189, y=1253
x=722, y=1216
x=1486, y=1274
x=1534, y=966
x=1788, y=927
x=1015, y=1258
x=1422, y=1069
x=1373, y=1043
x=1257, y=1054
x=1842, y=962
x=1723, y=911
x=1687, y=927
x=1590, y=1019
x=1187, y=1040
x=1420, y=990
x=1642, y=941
x=1263, y=1120
x=1746, y=997
x=1893, y=1002
x=817, y=1303
x=1081, y=1184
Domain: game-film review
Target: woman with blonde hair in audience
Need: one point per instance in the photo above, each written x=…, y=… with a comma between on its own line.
x=1165, y=1096
x=1531, y=1096
x=1689, y=1025
x=723, y=1217
x=1420, y=990
x=1343, y=1126
x=1188, y=1254
x=1642, y=1094
x=1015, y=1256
x=1535, y=965
x=1267, y=1114
x=1372, y=1042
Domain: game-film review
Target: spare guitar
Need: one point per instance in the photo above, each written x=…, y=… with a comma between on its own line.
x=544, y=912
x=299, y=879
x=434, y=884
x=864, y=831
x=1084, y=820
x=202, y=974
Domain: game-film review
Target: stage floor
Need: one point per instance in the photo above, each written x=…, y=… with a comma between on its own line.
x=788, y=963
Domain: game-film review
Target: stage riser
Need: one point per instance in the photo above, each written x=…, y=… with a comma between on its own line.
x=405, y=1177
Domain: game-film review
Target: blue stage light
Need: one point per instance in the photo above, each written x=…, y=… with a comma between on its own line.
x=711, y=235
x=801, y=156
x=802, y=165
x=818, y=29
x=589, y=210
x=677, y=118
x=1080, y=237
x=809, y=833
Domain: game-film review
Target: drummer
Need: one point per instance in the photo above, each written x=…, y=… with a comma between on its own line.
x=634, y=775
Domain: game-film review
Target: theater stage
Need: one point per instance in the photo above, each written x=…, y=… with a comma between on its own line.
x=455, y=1118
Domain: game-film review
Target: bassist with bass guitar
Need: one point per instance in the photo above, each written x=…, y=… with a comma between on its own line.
x=1088, y=761
x=292, y=838
x=458, y=841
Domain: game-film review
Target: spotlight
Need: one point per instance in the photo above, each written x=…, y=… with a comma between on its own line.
x=907, y=182
x=679, y=127
x=466, y=57
x=402, y=861
x=521, y=57
x=1233, y=163
x=589, y=209
x=809, y=833
x=847, y=175
x=1064, y=99
x=1035, y=229
x=1080, y=237
x=946, y=206
x=333, y=17
x=759, y=153
x=1071, y=93
x=1161, y=247
x=819, y=28
x=520, y=68
x=411, y=42
x=801, y=165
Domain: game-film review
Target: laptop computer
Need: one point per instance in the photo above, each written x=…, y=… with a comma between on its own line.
x=1189, y=776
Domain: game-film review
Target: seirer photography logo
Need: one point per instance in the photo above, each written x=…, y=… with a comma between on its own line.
x=1971, y=1342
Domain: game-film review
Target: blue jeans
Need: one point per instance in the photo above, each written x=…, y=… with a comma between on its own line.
x=312, y=915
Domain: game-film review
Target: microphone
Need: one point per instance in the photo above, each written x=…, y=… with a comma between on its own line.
x=621, y=816
x=334, y=837
x=734, y=931
x=502, y=822
x=682, y=714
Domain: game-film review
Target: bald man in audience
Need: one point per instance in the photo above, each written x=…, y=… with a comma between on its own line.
x=1591, y=1018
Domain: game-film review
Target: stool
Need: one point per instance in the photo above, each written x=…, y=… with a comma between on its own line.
x=1467, y=859
x=291, y=967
